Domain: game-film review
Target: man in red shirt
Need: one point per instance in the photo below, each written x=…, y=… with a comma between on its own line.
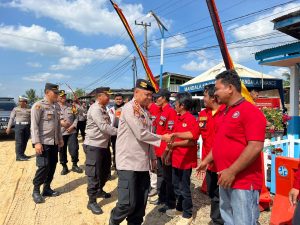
x=154, y=111
x=294, y=197
x=164, y=125
x=237, y=152
x=184, y=158
x=208, y=126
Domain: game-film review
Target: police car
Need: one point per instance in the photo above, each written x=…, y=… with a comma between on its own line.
x=6, y=106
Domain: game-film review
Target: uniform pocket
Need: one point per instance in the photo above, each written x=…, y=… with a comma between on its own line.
x=90, y=167
x=123, y=192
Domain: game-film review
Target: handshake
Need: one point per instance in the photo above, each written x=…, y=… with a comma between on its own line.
x=167, y=154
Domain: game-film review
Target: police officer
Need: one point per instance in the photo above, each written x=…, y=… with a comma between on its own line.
x=114, y=114
x=47, y=138
x=68, y=122
x=135, y=156
x=98, y=157
x=21, y=116
x=82, y=112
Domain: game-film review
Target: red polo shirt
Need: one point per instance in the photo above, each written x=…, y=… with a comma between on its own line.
x=240, y=123
x=208, y=123
x=165, y=125
x=154, y=111
x=185, y=157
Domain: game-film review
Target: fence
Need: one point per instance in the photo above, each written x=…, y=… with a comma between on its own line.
x=291, y=148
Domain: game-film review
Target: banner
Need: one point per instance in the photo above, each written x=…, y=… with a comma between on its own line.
x=142, y=57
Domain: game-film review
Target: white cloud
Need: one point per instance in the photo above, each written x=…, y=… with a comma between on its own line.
x=279, y=71
x=34, y=64
x=42, y=77
x=177, y=41
x=85, y=16
x=31, y=39
x=202, y=62
x=261, y=26
x=36, y=39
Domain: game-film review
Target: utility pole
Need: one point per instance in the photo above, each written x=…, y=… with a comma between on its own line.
x=145, y=25
x=134, y=70
x=162, y=28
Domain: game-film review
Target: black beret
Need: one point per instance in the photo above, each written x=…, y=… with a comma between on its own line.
x=144, y=84
x=52, y=87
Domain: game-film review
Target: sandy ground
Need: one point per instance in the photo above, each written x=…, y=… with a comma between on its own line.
x=17, y=207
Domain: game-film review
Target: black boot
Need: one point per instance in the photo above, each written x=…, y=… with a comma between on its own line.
x=94, y=207
x=65, y=169
x=36, y=195
x=76, y=168
x=103, y=194
x=49, y=192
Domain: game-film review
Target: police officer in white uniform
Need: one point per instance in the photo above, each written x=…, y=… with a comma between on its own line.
x=98, y=158
x=46, y=137
x=68, y=122
x=21, y=116
x=135, y=157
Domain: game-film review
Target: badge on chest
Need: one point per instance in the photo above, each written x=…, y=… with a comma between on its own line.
x=162, y=121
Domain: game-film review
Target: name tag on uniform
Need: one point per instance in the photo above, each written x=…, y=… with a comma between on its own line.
x=49, y=115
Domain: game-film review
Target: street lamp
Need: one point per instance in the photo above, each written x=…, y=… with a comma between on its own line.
x=162, y=28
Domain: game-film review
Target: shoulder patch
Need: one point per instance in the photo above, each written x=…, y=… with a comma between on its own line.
x=38, y=106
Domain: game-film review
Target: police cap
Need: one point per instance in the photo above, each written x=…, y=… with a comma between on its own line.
x=23, y=99
x=162, y=93
x=144, y=84
x=52, y=87
x=103, y=90
x=62, y=93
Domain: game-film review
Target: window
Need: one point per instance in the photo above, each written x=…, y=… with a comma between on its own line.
x=7, y=106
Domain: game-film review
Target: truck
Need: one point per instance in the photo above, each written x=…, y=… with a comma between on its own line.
x=6, y=106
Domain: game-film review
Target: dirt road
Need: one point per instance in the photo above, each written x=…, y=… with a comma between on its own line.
x=17, y=207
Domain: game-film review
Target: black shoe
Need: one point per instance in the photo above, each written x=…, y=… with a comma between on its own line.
x=65, y=170
x=103, y=194
x=21, y=158
x=163, y=209
x=26, y=156
x=50, y=193
x=37, y=198
x=95, y=208
x=156, y=202
x=76, y=169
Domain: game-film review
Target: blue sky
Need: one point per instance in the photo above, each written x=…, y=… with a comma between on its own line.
x=83, y=43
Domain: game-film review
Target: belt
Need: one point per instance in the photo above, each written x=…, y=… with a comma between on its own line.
x=22, y=123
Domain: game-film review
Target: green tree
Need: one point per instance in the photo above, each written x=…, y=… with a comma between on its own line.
x=286, y=81
x=31, y=95
x=79, y=92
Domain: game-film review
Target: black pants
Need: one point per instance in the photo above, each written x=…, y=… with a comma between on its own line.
x=133, y=189
x=296, y=218
x=213, y=193
x=181, y=180
x=71, y=143
x=113, y=140
x=22, y=134
x=81, y=127
x=97, y=169
x=46, y=163
x=166, y=190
